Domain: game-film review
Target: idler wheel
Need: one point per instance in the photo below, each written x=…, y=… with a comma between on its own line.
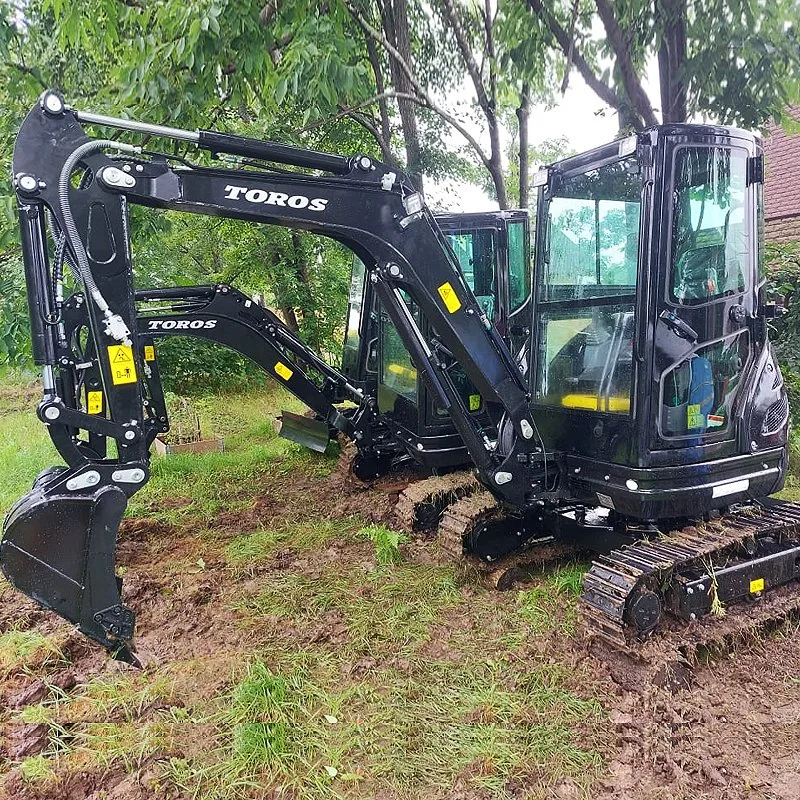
x=644, y=612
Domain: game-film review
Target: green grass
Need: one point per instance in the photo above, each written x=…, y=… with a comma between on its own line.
x=425, y=687
x=382, y=609
x=20, y=650
x=246, y=552
x=552, y=599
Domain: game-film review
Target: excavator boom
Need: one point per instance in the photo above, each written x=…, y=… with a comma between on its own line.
x=364, y=204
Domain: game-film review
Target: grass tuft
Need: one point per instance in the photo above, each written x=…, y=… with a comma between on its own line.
x=27, y=649
x=387, y=543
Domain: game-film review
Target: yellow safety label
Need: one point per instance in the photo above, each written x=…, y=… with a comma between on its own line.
x=448, y=294
x=94, y=402
x=474, y=402
x=123, y=367
x=283, y=370
x=757, y=585
x=149, y=353
x=694, y=417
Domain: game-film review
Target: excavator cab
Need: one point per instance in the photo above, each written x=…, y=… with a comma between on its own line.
x=653, y=373
x=493, y=253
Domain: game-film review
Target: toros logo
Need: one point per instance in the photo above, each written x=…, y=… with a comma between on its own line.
x=180, y=324
x=266, y=197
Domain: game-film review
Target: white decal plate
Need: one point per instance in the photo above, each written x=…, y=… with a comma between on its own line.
x=734, y=487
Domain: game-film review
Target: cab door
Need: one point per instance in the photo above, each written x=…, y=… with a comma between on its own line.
x=706, y=259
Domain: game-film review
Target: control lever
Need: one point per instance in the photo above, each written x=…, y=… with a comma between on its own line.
x=678, y=326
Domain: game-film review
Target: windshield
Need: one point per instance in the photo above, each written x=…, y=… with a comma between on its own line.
x=586, y=317
x=593, y=234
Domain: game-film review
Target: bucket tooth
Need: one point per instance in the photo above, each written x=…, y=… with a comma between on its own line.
x=59, y=548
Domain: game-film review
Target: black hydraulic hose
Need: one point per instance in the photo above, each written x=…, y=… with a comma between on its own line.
x=118, y=330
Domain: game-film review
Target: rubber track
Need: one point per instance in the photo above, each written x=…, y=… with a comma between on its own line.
x=463, y=516
x=614, y=578
x=420, y=505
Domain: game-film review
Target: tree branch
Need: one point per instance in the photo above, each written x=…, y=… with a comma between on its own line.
x=563, y=39
x=420, y=96
x=630, y=80
x=28, y=71
x=468, y=57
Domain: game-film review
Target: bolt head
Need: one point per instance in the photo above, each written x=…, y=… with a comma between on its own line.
x=53, y=103
x=28, y=183
x=130, y=435
x=394, y=270
x=52, y=412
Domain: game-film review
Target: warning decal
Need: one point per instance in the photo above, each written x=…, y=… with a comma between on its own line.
x=94, y=402
x=448, y=294
x=474, y=402
x=123, y=367
x=283, y=370
x=149, y=353
x=695, y=418
x=757, y=585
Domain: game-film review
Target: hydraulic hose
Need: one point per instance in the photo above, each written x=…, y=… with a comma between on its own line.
x=115, y=325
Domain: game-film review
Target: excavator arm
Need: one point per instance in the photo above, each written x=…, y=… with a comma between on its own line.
x=59, y=540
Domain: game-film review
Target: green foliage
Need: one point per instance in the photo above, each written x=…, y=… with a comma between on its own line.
x=194, y=366
x=783, y=281
x=256, y=705
x=387, y=543
x=15, y=338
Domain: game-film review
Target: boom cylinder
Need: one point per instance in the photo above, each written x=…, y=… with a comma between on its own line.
x=37, y=280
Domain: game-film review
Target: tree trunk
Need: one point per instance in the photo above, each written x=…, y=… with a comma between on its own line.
x=523, y=113
x=290, y=318
x=671, y=59
x=395, y=26
x=383, y=105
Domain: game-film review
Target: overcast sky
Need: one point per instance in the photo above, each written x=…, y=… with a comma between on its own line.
x=579, y=116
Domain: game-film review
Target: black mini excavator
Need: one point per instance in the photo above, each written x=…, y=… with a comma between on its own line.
x=635, y=410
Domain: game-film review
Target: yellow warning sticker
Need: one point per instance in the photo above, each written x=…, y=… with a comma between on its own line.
x=123, y=367
x=283, y=370
x=474, y=402
x=757, y=585
x=94, y=402
x=695, y=418
x=448, y=294
x=149, y=353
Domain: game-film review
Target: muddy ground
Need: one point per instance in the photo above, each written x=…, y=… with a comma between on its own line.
x=726, y=729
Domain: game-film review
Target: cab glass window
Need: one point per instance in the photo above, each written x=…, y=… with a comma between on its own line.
x=397, y=370
x=519, y=269
x=586, y=320
x=698, y=392
x=710, y=235
x=475, y=251
x=593, y=234
x=352, y=339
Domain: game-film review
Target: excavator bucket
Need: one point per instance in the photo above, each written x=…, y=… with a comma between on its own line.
x=310, y=433
x=58, y=547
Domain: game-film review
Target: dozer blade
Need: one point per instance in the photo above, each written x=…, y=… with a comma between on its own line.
x=310, y=433
x=58, y=547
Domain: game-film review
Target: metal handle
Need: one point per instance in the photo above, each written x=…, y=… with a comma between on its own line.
x=678, y=326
